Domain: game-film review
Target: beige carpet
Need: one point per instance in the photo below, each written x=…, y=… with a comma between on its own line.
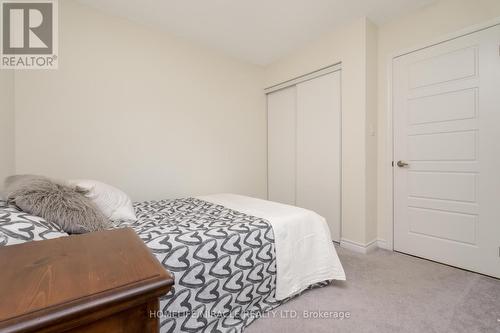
x=391, y=292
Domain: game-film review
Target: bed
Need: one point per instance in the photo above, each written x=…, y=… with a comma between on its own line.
x=233, y=257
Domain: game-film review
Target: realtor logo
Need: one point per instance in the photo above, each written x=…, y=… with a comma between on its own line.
x=29, y=34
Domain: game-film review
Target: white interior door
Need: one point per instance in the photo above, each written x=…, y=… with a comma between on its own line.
x=446, y=104
x=281, y=114
x=319, y=148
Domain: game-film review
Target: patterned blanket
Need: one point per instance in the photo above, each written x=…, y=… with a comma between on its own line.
x=223, y=262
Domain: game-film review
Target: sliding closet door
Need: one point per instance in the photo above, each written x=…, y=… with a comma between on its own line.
x=281, y=107
x=319, y=148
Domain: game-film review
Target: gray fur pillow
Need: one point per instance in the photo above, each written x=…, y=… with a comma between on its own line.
x=55, y=202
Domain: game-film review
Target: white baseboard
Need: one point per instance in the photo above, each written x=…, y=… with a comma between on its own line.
x=357, y=247
x=382, y=244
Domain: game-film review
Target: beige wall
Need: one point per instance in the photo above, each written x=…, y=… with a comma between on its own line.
x=348, y=45
x=416, y=29
x=157, y=117
x=6, y=124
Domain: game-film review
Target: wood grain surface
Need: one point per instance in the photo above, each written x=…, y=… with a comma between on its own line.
x=70, y=281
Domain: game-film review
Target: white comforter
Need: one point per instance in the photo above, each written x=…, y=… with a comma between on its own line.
x=304, y=251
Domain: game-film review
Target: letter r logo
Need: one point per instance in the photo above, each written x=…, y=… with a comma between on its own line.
x=27, y=27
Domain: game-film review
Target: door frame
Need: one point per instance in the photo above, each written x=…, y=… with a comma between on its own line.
x=305, y=77
x=388, y=168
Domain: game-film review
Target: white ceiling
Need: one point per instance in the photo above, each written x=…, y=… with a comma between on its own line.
x=258, y=31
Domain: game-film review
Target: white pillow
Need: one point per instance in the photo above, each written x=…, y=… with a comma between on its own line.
x=112, y=202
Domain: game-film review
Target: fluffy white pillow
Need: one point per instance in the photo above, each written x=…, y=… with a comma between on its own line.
x=112, y=202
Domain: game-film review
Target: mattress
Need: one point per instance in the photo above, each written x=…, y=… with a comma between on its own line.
x=304, y=250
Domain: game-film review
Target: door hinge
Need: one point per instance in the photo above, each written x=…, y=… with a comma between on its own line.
x=392, y=164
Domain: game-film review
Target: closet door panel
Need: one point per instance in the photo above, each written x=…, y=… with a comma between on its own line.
x=281, y=110
x=319, y=148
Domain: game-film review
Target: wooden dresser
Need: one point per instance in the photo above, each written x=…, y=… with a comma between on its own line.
x=105, y=281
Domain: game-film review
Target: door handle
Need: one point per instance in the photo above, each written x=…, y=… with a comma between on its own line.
x=402, y=164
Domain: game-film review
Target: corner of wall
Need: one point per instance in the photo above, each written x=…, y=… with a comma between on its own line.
x=371, y=137
x=7, y=133
x=14, y=124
